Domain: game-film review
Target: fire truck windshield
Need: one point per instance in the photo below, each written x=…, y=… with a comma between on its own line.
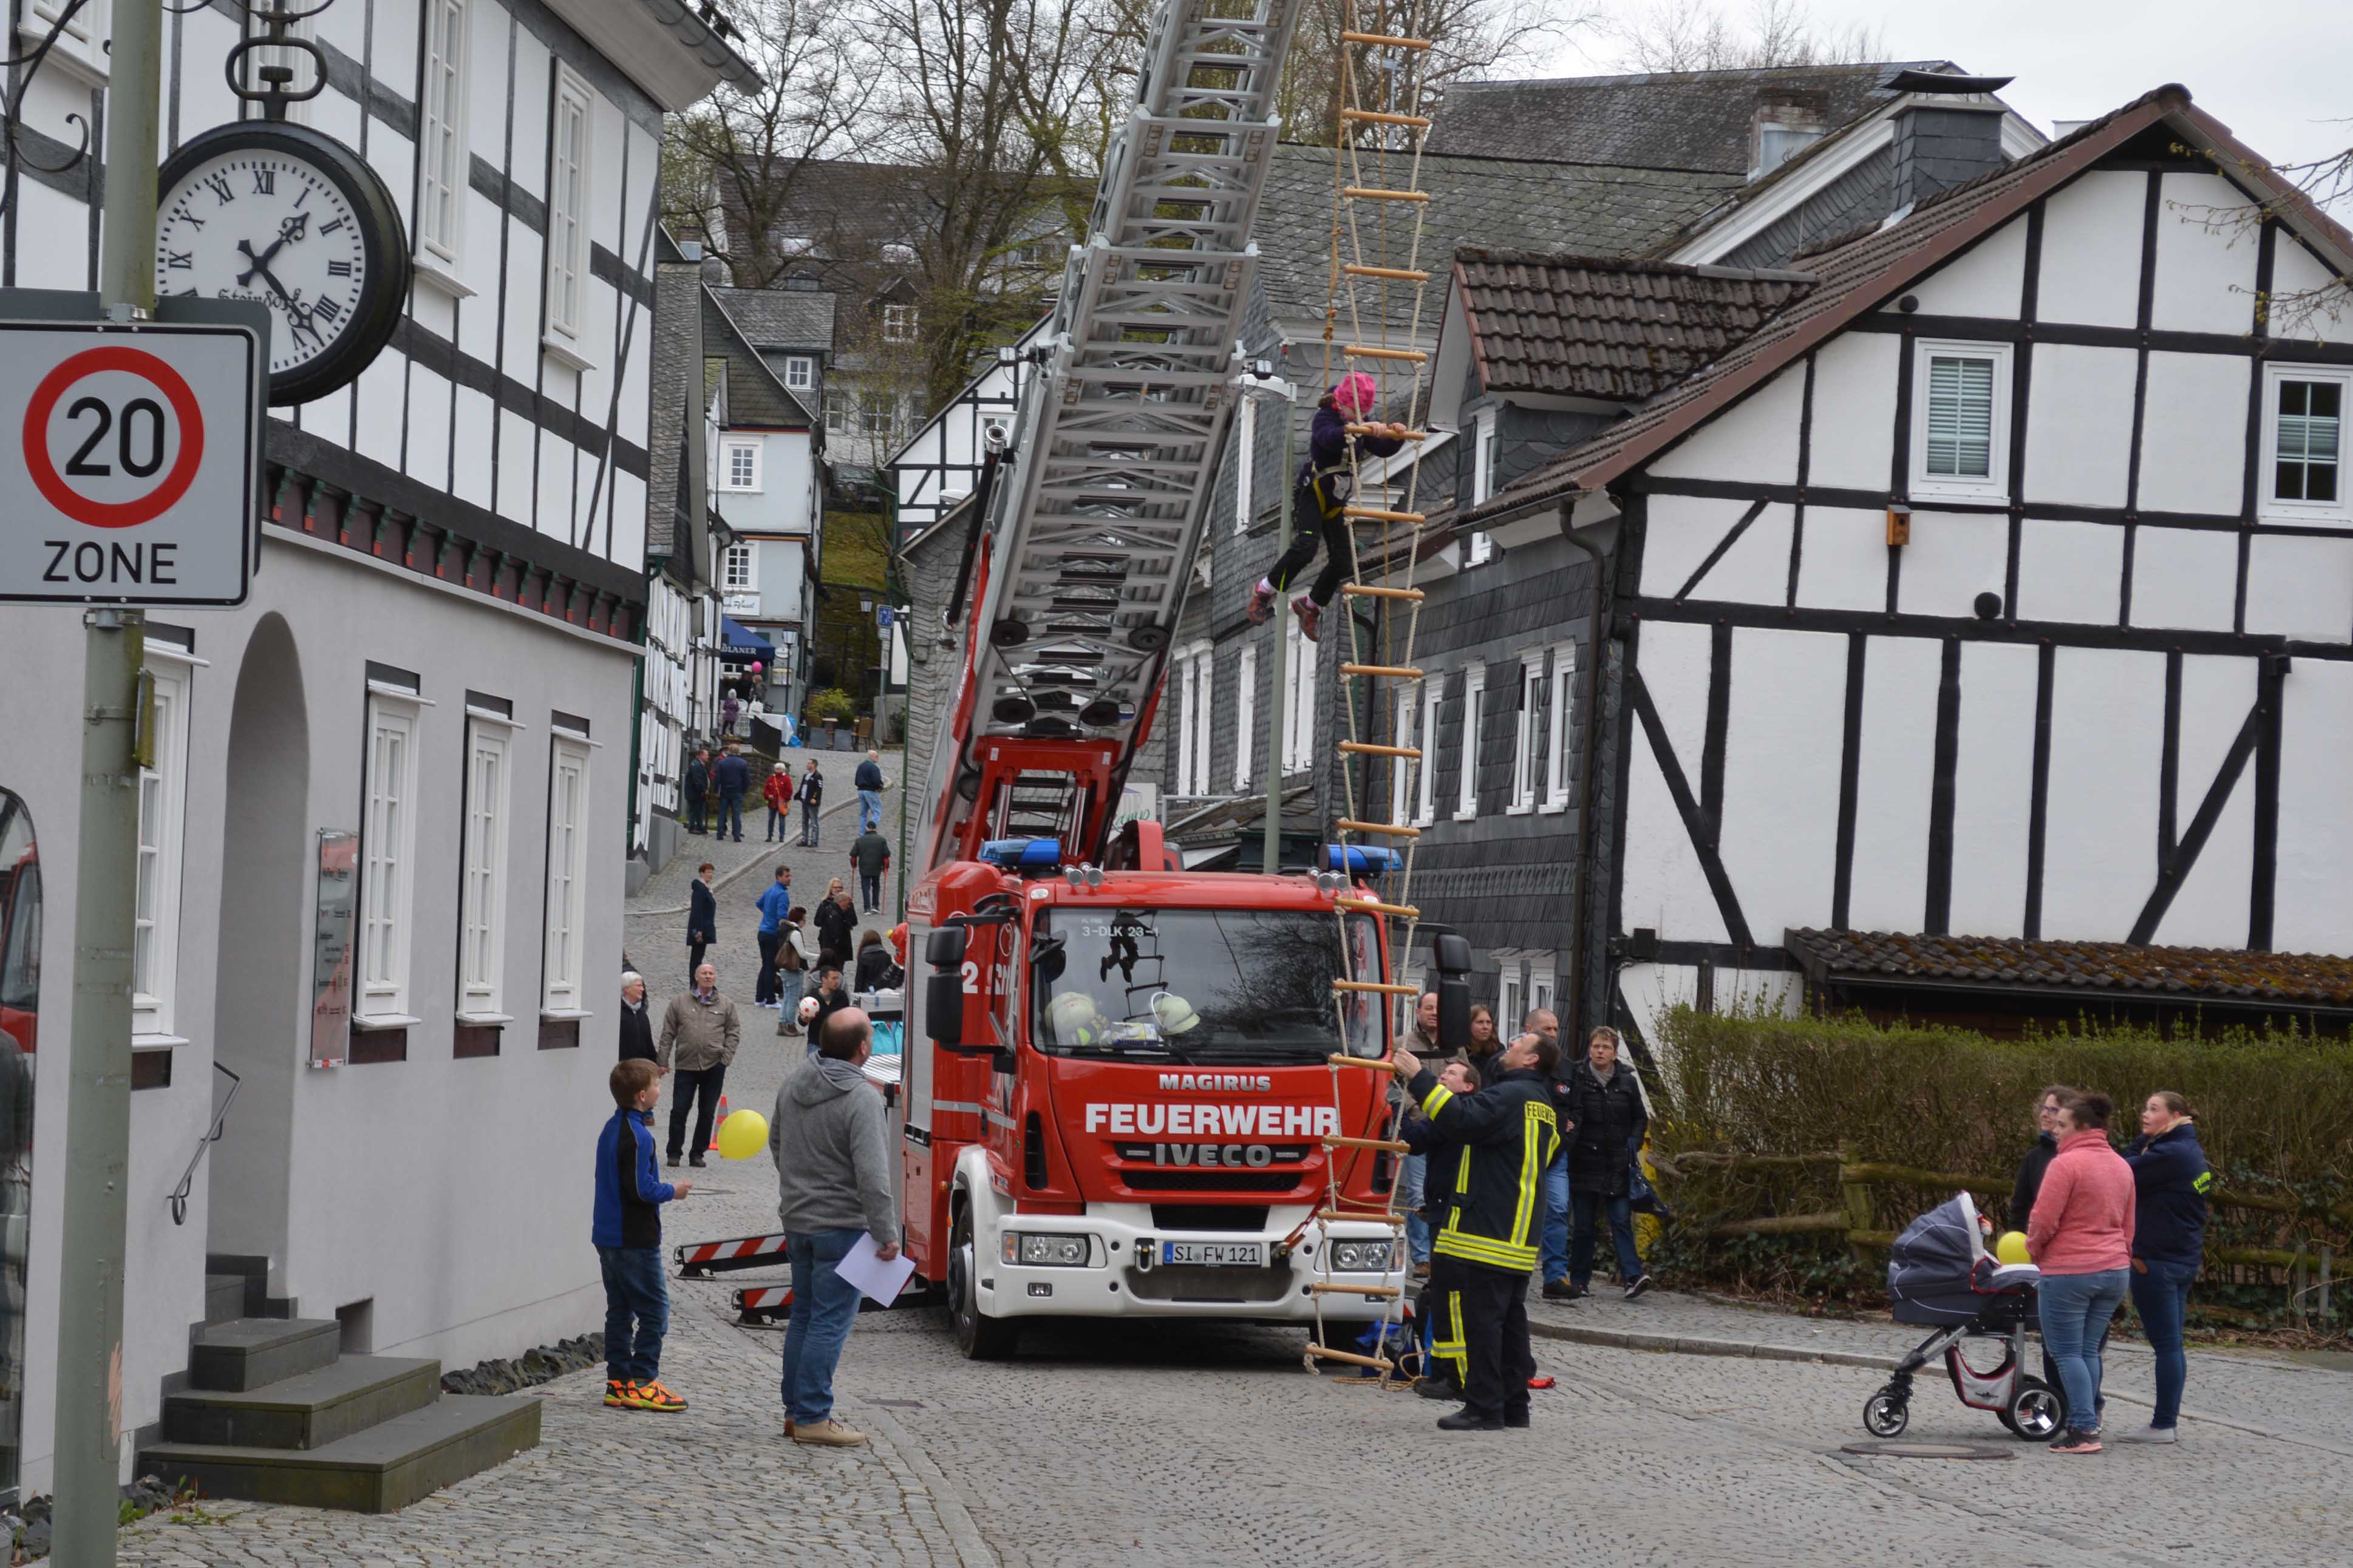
x=1231, y=986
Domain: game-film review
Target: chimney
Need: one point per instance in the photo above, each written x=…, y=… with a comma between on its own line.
x=1785, y=123
x=1940, y=144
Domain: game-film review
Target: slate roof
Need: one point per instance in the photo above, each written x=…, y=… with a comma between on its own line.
x=1486, y=201
x=676, y=425
x=781, y=318
x=756, y=398
x=2222, y=974
x=1666, y=119
x=1601, y=327
x=1859, y=269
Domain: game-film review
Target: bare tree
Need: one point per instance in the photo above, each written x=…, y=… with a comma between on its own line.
x=752, y=148
x=1468, y=38
x=1700, y=34
x=2328, y=185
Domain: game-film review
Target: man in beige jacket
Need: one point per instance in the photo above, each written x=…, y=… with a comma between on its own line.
x=698, y=1040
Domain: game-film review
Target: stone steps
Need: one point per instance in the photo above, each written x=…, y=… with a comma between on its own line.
x=224, y=1297
x=309, y=1410
x=383, y=1467
x=251, y=1352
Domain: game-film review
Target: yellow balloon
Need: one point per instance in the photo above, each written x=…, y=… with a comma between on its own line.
x=2010, y=1248
x=742, y=1136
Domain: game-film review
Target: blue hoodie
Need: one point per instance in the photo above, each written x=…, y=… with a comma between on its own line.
x=773, y=905
x=2170, y=1180
x=630, y=1191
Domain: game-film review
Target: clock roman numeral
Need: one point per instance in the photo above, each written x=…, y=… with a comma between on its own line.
x=331, y=228
x=303, y=197
x=184, y=216
x=180, y=259
x=339, y=270
x=327, y=310
x=218, y=185
x=265, y=181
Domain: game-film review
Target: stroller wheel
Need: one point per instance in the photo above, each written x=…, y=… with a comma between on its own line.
x=2036, y=1411
x=1886, y=1415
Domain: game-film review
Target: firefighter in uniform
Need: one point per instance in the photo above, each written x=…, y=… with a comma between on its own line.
x=1440, y=1305
x=1508, y=1133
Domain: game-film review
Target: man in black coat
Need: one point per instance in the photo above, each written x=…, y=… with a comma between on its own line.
x=1606, y=1104
x=637, y=1029
x=701, y=917
x=836, y=926
x=696, y=784
x=732, y=778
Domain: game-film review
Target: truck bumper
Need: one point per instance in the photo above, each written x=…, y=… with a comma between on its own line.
x=1125, y=1278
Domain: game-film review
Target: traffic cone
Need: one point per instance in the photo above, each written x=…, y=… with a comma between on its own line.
x=718, y=1122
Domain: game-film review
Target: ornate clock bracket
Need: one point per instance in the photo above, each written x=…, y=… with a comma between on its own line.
x=276, y=93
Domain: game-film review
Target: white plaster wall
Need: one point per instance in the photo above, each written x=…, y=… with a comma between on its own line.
x=2300, y=585
x=1674, y=665
x=2311, y=912
x=2185, y=578
x=2296, y=272
x=1664, y=887
x=1987, y=279
x=1755, y=440
x=2107, y=731
x=1842, y=565
x=1781, y=776
x=1954, y=557
x=1684, y=530
x=1894, y=775
x=2205, y=257
x=2210, y=908
x=2091, y=252
x=2191, y=456
x=1854, y=444
x=2070, y=571
x=2079, y=421
x=1993, y=789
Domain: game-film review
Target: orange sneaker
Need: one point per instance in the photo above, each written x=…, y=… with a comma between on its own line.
x=1311, y=615
x=654, y=1396
x=621, y=1395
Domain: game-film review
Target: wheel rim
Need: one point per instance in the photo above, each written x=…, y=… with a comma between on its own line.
x=2036, y=1412
x=1885, y=1418
x=963, y=1290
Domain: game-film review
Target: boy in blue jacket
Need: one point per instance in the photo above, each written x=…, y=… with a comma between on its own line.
x=626, y=1229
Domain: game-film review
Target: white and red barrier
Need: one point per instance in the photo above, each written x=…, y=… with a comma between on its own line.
x=699, y=1258
x=759, y=1304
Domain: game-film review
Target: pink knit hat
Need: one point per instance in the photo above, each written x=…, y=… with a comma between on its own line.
x=1354, y=394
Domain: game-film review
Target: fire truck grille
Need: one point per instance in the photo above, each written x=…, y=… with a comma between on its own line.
x=1162, y=1181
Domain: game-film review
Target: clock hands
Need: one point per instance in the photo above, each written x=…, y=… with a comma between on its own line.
x=298, y=315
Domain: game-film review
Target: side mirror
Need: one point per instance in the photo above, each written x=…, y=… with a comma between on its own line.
x=1451, y=956
x=944, y=948
x=943, y=1003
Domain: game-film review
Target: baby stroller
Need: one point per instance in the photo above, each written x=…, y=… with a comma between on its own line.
x=1939, y=1273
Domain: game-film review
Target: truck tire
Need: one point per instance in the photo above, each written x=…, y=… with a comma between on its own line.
x=979, y=1335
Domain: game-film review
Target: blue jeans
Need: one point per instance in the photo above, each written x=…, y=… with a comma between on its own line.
x=808, y=821
x=731, y=810
x=779, y=818
x=2161, y=1297
x=2075, y=1312
x=824, y=1307
x=789, y=986
x=1410, y=1180
x=870, y=809
x=1588, y=1207
x=635, y=1290
x=1556, y=1225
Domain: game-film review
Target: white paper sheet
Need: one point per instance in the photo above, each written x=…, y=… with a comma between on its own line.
x=876, y=1279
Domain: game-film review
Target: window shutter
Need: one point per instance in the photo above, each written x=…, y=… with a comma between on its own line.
x=1960, y=417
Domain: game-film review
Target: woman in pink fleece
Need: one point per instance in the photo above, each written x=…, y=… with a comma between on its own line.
x=2080, y=1237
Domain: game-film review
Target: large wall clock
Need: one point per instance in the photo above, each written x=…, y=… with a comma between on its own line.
x=279, y=212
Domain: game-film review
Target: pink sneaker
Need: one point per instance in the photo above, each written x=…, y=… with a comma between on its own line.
x=1310, y=613
x=1262, y=601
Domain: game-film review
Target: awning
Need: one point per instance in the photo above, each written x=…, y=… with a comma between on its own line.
x=742, y=643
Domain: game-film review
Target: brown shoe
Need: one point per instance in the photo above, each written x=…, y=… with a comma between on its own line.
x=788, y=1426
x=830, y=1433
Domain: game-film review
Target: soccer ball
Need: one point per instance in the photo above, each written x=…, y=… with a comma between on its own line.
x=809, y=1006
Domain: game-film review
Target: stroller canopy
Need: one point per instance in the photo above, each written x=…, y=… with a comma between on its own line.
x=1931, y=1267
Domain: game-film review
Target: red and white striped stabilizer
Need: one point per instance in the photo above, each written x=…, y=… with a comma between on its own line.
x=699, y=1258
x=760, y=1304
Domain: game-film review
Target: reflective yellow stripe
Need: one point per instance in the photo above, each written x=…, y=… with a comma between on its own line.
x=1487, y=1250
x=1456, y=1348
x=1432, y=1102
x=1531, y=1170
x=1462, y=1178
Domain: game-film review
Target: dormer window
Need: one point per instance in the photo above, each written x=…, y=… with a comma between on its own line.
x=899, y=255
x=1784, y=127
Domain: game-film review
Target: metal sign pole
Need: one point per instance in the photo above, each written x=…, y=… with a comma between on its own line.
x=1271, y=854
x=98, y=1100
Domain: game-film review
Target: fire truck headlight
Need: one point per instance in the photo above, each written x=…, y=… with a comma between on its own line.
x=1361, y=1257
x=1045, y=1249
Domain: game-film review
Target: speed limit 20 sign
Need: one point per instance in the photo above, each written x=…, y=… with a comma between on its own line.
x=135, y=473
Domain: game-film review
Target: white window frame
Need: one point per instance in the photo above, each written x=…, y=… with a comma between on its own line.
x=2268, y=505
x=1564, y=717
x=1298, y=700
x=739, y=569
x=902, y=323
x=1543, y=987
x=800, y=372
x=444, y=161
x=1433, y=694
x=1401, y=769
x=82, y=45
x=1246, y=716
x=388, y=858
x=1510, y=1002
x=840, y=410
x=730, y=448
x=1466, y=789
x=571, y=206
x=1480, y=548
x=483, y=850
x=161, y=848
x=878, y=413
x=563, y=930
x=1191, y=768
x=1995, y=485
x=1523, y=738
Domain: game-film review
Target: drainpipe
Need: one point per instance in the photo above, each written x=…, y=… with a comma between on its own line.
x=1596, y=658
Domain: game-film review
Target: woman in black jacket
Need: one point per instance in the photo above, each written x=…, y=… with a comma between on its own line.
x=876, y=971
x=1604, y=1106
x=637, y=1028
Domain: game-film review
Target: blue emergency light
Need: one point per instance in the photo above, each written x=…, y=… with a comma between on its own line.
x=1361, y=858
x=1023, y=857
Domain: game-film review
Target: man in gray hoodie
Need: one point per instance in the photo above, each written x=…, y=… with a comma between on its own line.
x=833, y=1186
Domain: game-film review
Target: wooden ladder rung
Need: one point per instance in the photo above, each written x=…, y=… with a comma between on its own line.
x=1395, y=830
x=1374, y=906
x=1376, y=117
x=1394, y=1221
x=1384, y=41
x=1365, y=351
x=1381, y=515
x=1387, y=671
x=1383, y=430
x=1375, y=591
x=1383, y=986
x=1391, y=1145
x=1384, y=1063
x=1373, y=749
x=1403, y=274
x=1377, y=194
x=1320, y=1288
x=1324, y=1352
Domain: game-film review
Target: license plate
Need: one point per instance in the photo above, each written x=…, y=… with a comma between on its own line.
x=1215, y=1254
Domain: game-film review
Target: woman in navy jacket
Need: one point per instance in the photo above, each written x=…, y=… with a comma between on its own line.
x=2170, y=1180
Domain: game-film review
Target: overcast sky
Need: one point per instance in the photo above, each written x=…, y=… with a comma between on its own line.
x=2276, y=71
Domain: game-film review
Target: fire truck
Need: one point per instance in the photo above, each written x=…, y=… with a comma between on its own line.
x=1128, y=1089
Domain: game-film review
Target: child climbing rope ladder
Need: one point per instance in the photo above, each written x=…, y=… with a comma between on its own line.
x=1316, y=504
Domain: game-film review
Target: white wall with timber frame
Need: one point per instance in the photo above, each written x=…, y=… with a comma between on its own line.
x=2106, y=690
x=941, y=463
